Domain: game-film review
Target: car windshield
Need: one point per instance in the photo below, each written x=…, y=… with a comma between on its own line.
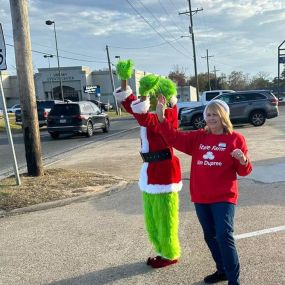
x=65, y=109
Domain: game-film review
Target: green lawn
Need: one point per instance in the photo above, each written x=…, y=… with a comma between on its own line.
x=13, y=126
x=112, y=114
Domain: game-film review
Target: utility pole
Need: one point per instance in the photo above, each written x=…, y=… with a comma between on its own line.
x=112, y=80
x=23, y=55
x=191, y=32
x=207, y=57
x=215, y=72
x=281, y=59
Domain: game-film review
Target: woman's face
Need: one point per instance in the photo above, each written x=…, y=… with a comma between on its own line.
x=214, y=121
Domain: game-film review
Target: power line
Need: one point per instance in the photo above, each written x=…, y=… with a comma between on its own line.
x=158, y=21
x=145, y=47
x=65, y=57
x=58, y=49
x=161, y=36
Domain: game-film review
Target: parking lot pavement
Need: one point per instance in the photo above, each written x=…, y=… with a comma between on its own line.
x=103, y=240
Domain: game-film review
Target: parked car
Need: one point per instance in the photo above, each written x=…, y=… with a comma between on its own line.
x=245, y=107
x=102, y=106
x=14, y=108
x=204, y=98
x=76, y=118
x=43, y=108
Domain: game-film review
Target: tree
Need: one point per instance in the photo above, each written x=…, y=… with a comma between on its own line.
x=178, y=76
x=260, y=81
x=238, y=81
x=203, y=81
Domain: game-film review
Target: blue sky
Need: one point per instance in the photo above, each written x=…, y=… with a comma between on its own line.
x=241, y=35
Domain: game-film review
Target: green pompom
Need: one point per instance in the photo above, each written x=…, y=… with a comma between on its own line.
x=167, y=88
x=125, y=69
x=149, y=85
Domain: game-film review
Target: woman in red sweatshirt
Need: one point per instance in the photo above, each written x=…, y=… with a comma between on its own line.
x=219, y=154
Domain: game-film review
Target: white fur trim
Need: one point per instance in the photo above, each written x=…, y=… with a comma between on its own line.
x=139, y=107
x=221, y=103
x=173, y=101
x=122, y=95
x=156, y=188
x=144, y=140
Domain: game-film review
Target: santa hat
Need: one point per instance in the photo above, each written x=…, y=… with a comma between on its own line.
x=223, y=104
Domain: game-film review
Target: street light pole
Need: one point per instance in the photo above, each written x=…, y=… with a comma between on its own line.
x=49, y=22
x=51, y=87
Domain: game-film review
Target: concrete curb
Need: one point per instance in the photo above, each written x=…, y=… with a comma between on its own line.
x=59, y=203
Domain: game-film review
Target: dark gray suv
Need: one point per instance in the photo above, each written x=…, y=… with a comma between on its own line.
x=245, y=107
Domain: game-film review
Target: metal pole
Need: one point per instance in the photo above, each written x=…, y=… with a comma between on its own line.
x=9, y=135
x=60, y=80
x=278, y=80
x=51, y=86
x=215, y=71
x=112, y=80
x=209, y=85
x=191, y=31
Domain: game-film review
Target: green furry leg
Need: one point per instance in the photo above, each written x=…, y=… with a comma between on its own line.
x=162, y=218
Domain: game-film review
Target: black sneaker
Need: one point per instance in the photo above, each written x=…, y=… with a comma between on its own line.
x=215, y=278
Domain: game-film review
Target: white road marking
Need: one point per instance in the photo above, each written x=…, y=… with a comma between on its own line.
x=261, y=232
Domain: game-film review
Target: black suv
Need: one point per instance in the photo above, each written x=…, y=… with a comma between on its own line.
x=102, y=106
x=245, y=107
x=43, y=108
x=76, y=118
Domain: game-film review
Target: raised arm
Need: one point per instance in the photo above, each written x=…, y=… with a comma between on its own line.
x=182, y=141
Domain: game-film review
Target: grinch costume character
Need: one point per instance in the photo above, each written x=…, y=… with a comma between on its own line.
x=160, y=176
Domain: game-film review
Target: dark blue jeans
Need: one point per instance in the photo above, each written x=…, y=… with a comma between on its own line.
x=217, y=221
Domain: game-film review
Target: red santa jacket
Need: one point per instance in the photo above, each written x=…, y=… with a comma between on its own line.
x=213, y=176
x=159, y=176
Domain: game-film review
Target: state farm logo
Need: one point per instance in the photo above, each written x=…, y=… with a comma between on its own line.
x=209, y=155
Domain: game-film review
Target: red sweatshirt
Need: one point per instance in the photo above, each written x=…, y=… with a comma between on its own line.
x=213, y=175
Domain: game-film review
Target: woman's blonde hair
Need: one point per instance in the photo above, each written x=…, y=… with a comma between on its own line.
x=223, y=114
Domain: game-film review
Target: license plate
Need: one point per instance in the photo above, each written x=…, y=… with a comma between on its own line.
x=62, y=121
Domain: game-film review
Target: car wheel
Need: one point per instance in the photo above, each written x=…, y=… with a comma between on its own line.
x=198, y=122
x=257, y=118
x=54, y=135
x=107, y=126
x=90, y=130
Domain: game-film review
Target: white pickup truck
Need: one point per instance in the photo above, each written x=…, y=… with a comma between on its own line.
x=205, y=97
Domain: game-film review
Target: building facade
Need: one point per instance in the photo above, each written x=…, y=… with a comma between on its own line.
x=75, y=83
x=74, y=79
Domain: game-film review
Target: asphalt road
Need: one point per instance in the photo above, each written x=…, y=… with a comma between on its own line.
x=52, y=148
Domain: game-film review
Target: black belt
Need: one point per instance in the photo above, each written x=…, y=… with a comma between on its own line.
x=156, y=156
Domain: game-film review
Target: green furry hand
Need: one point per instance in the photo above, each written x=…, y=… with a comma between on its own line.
x=125, y=69
x=167, y=88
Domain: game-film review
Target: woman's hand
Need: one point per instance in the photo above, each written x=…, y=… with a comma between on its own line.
x=160, y=107
x=239, y=155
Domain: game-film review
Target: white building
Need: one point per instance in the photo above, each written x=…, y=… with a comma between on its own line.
x=75, y=79
x=186, y=93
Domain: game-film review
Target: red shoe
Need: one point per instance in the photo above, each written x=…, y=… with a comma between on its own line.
x=161, y=262
x=150, y=260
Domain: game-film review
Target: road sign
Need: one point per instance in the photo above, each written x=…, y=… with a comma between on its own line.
x=90, y=89
x=3, y=65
